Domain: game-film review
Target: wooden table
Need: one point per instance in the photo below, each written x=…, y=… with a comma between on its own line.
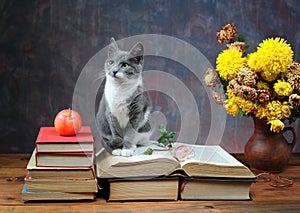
x=265, y=198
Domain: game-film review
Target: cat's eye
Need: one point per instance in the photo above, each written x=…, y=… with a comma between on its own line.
x=110, y=62
x=124, y=65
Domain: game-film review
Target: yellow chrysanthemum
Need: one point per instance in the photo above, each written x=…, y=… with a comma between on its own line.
x=229, y=93
x=229, y=62
x=283, y=88
x=276, y=125
x=262, y=85
x=261, y=111
x=285, y=110
x=231, y=107
x=234, y=103
x=252, y=61
x=247, y=106
x=273, y=110
x=272, y=57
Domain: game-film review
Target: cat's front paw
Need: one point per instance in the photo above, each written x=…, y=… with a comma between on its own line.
x=123, y=152
x=116, y=152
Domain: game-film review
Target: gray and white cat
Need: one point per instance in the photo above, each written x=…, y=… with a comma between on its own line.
x=125, y=108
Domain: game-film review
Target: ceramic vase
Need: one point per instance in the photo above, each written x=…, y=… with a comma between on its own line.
x=266, y=150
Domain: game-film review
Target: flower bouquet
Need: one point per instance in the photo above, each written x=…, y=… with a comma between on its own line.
x=264, y=83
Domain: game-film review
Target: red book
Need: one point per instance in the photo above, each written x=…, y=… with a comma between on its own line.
x=48, y=141
x=54, y=150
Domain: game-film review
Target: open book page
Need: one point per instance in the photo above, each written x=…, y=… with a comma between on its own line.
x=214, y=161
x=160, y=152
x=161, y=162
x=210, y=154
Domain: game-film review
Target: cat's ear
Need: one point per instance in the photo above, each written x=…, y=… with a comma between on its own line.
x=113, y=47
x=137, y=51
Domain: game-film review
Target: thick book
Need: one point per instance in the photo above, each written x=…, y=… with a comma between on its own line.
x=215, y=188
x=208, y=161
x=63, y=185
x=40, y=172
x=65, y=159
x=142, y=189
x=42, y=195
x=48, y=140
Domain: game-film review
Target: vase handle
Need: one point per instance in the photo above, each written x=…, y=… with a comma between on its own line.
x=294, y=136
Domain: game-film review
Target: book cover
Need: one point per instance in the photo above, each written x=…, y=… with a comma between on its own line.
x=48, y=140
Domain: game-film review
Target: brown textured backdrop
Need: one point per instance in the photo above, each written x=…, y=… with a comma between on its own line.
x=45, y=44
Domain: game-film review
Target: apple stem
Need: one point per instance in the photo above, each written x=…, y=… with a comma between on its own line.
x=69, y=113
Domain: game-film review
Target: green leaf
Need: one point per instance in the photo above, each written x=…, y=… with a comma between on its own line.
x=241, y=38
x=171, y=134
x=149, y=151
x=162, y=139
x=167, y=137
x=162, y=129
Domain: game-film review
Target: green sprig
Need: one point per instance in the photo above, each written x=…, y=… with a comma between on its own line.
x=167, y=137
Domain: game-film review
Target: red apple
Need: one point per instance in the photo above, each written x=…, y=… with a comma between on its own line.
x=67, y=122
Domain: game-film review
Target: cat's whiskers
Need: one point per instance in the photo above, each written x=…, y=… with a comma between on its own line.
x=100, y=76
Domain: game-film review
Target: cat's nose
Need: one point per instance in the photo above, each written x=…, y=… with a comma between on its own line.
x=115, y=73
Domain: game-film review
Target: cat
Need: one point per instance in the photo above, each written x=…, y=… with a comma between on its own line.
x=125, y=108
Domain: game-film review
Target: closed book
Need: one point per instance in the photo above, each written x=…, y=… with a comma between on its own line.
x=42, y=195
x=216, y=188
x=63, y=185
x=40, y=172
x=48, y=140
x=143, y=189
x=65, y=159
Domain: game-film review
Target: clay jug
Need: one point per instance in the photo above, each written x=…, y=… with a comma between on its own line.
x=266, y=150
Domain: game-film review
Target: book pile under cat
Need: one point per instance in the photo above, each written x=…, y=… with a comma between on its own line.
x=211, y=174
x=61, y=167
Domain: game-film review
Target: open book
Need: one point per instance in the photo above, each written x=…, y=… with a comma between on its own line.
x=208, y=161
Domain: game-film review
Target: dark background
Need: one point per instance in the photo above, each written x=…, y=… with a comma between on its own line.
x=45, y=44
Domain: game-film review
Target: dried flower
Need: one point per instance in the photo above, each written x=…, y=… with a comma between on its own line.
x=240, y=46
x=294, y=100
x=219, y=99
x=246, y=76
x=263, y=96
x=210, y=78
x=243, y=91
x=227, y=33
x=293, y=76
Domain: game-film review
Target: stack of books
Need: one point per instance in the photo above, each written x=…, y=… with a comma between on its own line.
x=211, y=174
x=61, y=167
